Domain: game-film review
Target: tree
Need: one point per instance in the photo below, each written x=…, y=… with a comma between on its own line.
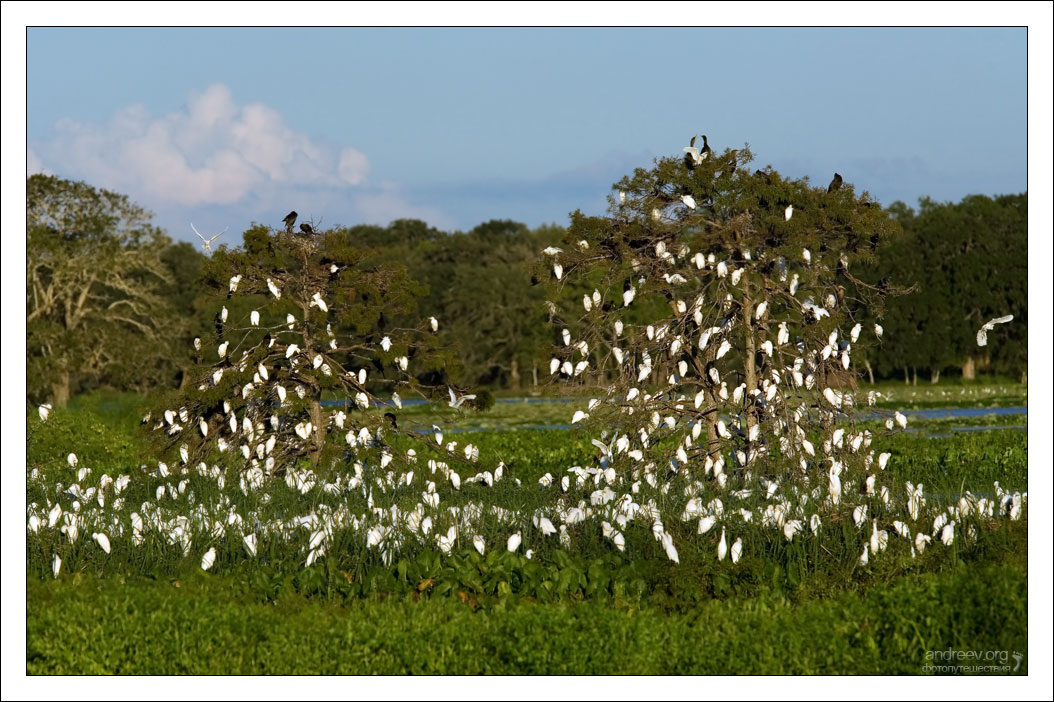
x=302, y=318
x=94, y=282
x=744, y=306
x=969, y=263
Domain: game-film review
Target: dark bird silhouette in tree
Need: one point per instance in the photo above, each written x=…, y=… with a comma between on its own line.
x=306, y=228
x=290, y=220
x=835, y=183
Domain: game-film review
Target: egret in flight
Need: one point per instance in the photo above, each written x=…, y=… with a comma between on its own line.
x=982, y=333
x=206, y=244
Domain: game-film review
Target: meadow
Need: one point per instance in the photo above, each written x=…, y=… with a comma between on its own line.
x=373, y=597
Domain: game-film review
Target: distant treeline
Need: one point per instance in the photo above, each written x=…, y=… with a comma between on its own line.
x=113, y=302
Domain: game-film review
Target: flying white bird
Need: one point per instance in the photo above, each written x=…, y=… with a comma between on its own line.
x=456, y=401
x=982, y=333
x=206, y=244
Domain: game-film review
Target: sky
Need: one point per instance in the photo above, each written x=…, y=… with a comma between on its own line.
x=222, y=127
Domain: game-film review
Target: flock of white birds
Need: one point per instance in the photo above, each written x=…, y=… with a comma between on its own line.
x=682, y=444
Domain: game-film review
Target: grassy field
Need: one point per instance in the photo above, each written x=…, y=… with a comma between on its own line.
x=801, y=605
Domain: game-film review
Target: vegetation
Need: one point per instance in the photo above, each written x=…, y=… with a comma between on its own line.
x=503, y=344
x=731, y=489
x=120, y=612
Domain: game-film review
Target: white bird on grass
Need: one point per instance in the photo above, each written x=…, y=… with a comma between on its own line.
x=982, y=333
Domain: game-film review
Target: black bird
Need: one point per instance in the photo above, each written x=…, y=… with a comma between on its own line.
x=306, y=228
x=290, y=220
x=835, y=184
x=391, y=417
x=706, y=147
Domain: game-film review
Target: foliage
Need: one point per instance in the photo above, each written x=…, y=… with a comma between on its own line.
x=310, y=315
x=968, y=262
x=217, y=626
x=96, y=308
x=745, y=307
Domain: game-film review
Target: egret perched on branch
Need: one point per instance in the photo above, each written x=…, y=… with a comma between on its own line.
x=982, y=333
x=206, y=244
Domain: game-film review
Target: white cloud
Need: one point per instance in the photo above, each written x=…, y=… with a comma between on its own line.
x=33, y=163
x=353, y=166
x=214, y=152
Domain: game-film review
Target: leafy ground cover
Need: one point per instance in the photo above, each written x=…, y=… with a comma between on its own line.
x=788, y=605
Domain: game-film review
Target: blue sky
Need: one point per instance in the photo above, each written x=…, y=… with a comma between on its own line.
x=221, y=127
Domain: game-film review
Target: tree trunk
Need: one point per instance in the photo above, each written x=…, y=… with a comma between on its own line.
x=870, y=372
x=60, y=388
x=907, y=378
x=514, y=373
x=914, y=375
x=1024, y=377
x=935, y=375
x=970, y=369
x=749, y=351
x=534, y=372
x=317, y=431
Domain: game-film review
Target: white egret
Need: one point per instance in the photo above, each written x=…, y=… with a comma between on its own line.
x=206, y=244
x=254, y=318
x=479, y=544
x=208, y=559
x=787, y=213
x=982, y=333
x=689, y=201
x=737, y=550
x=44, y=410
x=275, y=290
x=514, y=542
x=456, y=401
x=722, y=546
x=434, y=323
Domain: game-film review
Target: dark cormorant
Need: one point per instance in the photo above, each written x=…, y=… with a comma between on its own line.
x=290, y=220
x=306, y=228
x=835, y=184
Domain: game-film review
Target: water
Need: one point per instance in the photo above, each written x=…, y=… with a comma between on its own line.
x=937, y=413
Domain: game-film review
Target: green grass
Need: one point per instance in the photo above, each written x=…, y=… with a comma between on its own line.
x=209, y=626
x=801, y=607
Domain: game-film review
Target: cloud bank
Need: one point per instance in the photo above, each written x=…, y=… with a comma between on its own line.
x=213, y=152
